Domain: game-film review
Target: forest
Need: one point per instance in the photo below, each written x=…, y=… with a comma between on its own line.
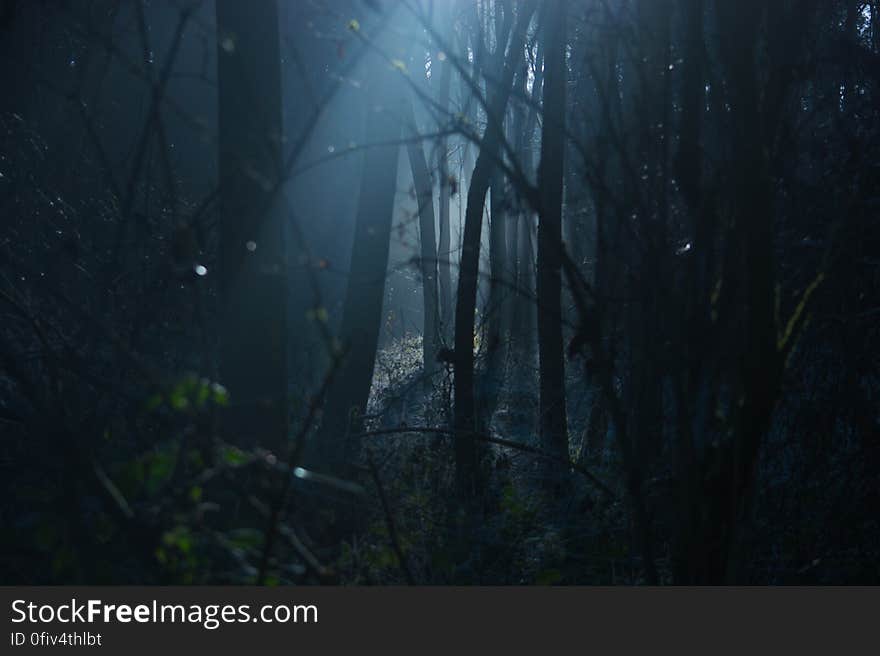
x=440, y=292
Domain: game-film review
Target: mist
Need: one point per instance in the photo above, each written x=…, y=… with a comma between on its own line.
x=439, y=292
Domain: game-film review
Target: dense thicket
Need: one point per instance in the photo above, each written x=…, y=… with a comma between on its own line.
x=472, y=291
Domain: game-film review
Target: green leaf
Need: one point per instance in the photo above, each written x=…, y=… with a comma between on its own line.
x=232, y=455
x=159, y=466
x=220, y=395
x=180, y=538
x=178, y=399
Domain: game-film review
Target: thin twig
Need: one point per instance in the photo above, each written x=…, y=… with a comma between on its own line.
x=488, y=439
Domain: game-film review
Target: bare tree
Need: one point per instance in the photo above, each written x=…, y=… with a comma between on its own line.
x=466, y=416
x=427, y=238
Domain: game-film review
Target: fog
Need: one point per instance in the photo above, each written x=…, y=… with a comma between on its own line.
x=439, y=291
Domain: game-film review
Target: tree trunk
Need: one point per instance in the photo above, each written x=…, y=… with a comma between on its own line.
x=694, y=327
x=428, y=264
x=496, y=307
x=517, y=125
x=524, y=326
x=720, y=483
x=362, y=312
x=444, y=250
x=253, y=334
x=553, y=422
x=466, y=459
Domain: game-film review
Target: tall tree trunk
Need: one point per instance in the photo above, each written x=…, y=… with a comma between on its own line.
x=515, y=137
x=754, y=222
x=693, y=326
x=553, y=421
x=527, y=314
x=524, y=327
x=496, y=307
x=851, y=38
x=253, y=334
x=466, y=457
x=428, y=264
x=444, y=249
x=723, y=476
x=612, y=201
x=647, y=253
x=362, y=313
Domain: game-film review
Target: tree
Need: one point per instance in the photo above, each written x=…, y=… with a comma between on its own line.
x=553, y=422
x=428, y=244
x=362, y=311
x=466, y=417
x=444, y=250
x=253, y=339
x=524, y=311
x=496, y=306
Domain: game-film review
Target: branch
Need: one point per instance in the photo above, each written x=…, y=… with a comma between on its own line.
x=389, y=521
